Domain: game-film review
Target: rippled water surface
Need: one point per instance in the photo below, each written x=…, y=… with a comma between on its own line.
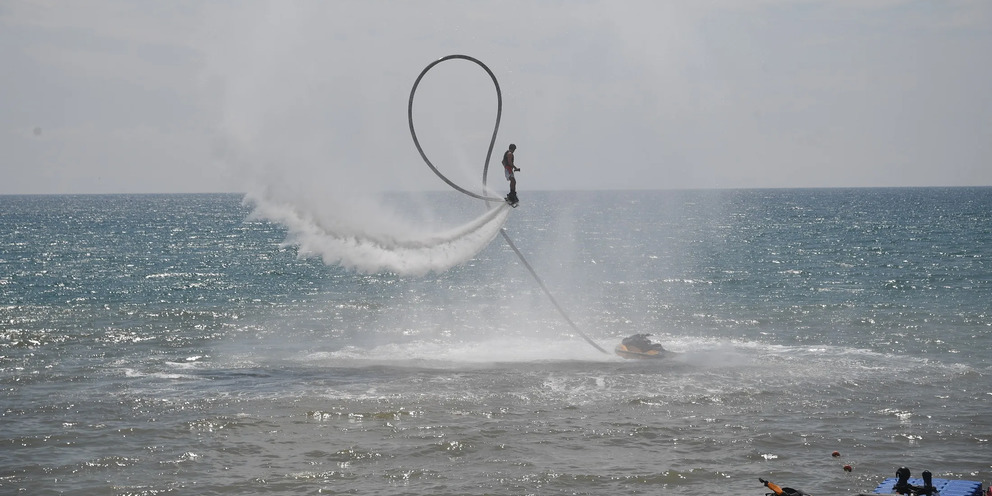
x=168, y=344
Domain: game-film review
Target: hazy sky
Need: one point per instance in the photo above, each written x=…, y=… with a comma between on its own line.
x=173, y=96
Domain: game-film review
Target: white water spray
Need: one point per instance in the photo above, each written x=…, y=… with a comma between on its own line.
x=303, y=121
x=340, y=240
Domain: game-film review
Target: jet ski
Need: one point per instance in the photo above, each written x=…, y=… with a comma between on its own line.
x=639, y=346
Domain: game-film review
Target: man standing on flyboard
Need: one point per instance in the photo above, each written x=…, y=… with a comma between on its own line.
x=509, y=169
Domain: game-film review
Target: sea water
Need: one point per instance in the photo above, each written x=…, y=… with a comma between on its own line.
x=174, y=344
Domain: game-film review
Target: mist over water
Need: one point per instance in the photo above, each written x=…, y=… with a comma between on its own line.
x=302, y=140
x=349, y=235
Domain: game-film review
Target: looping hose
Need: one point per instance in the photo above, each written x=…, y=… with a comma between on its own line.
x=492, y=142
x=485, y=170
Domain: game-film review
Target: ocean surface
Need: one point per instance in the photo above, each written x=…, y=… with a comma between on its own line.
x=174, y=344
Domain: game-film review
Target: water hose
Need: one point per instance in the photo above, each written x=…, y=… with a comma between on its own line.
x=485, y=170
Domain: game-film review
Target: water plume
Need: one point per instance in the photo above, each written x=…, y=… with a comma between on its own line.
x=356, y=240
x=312, y=129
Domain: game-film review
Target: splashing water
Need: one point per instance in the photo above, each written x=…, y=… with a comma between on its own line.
x=368, y=242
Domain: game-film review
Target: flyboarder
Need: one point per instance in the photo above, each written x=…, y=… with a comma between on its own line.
x=509, y=169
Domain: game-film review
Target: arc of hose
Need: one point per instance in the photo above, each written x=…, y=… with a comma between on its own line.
x=492, y=142
x=485, y=170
